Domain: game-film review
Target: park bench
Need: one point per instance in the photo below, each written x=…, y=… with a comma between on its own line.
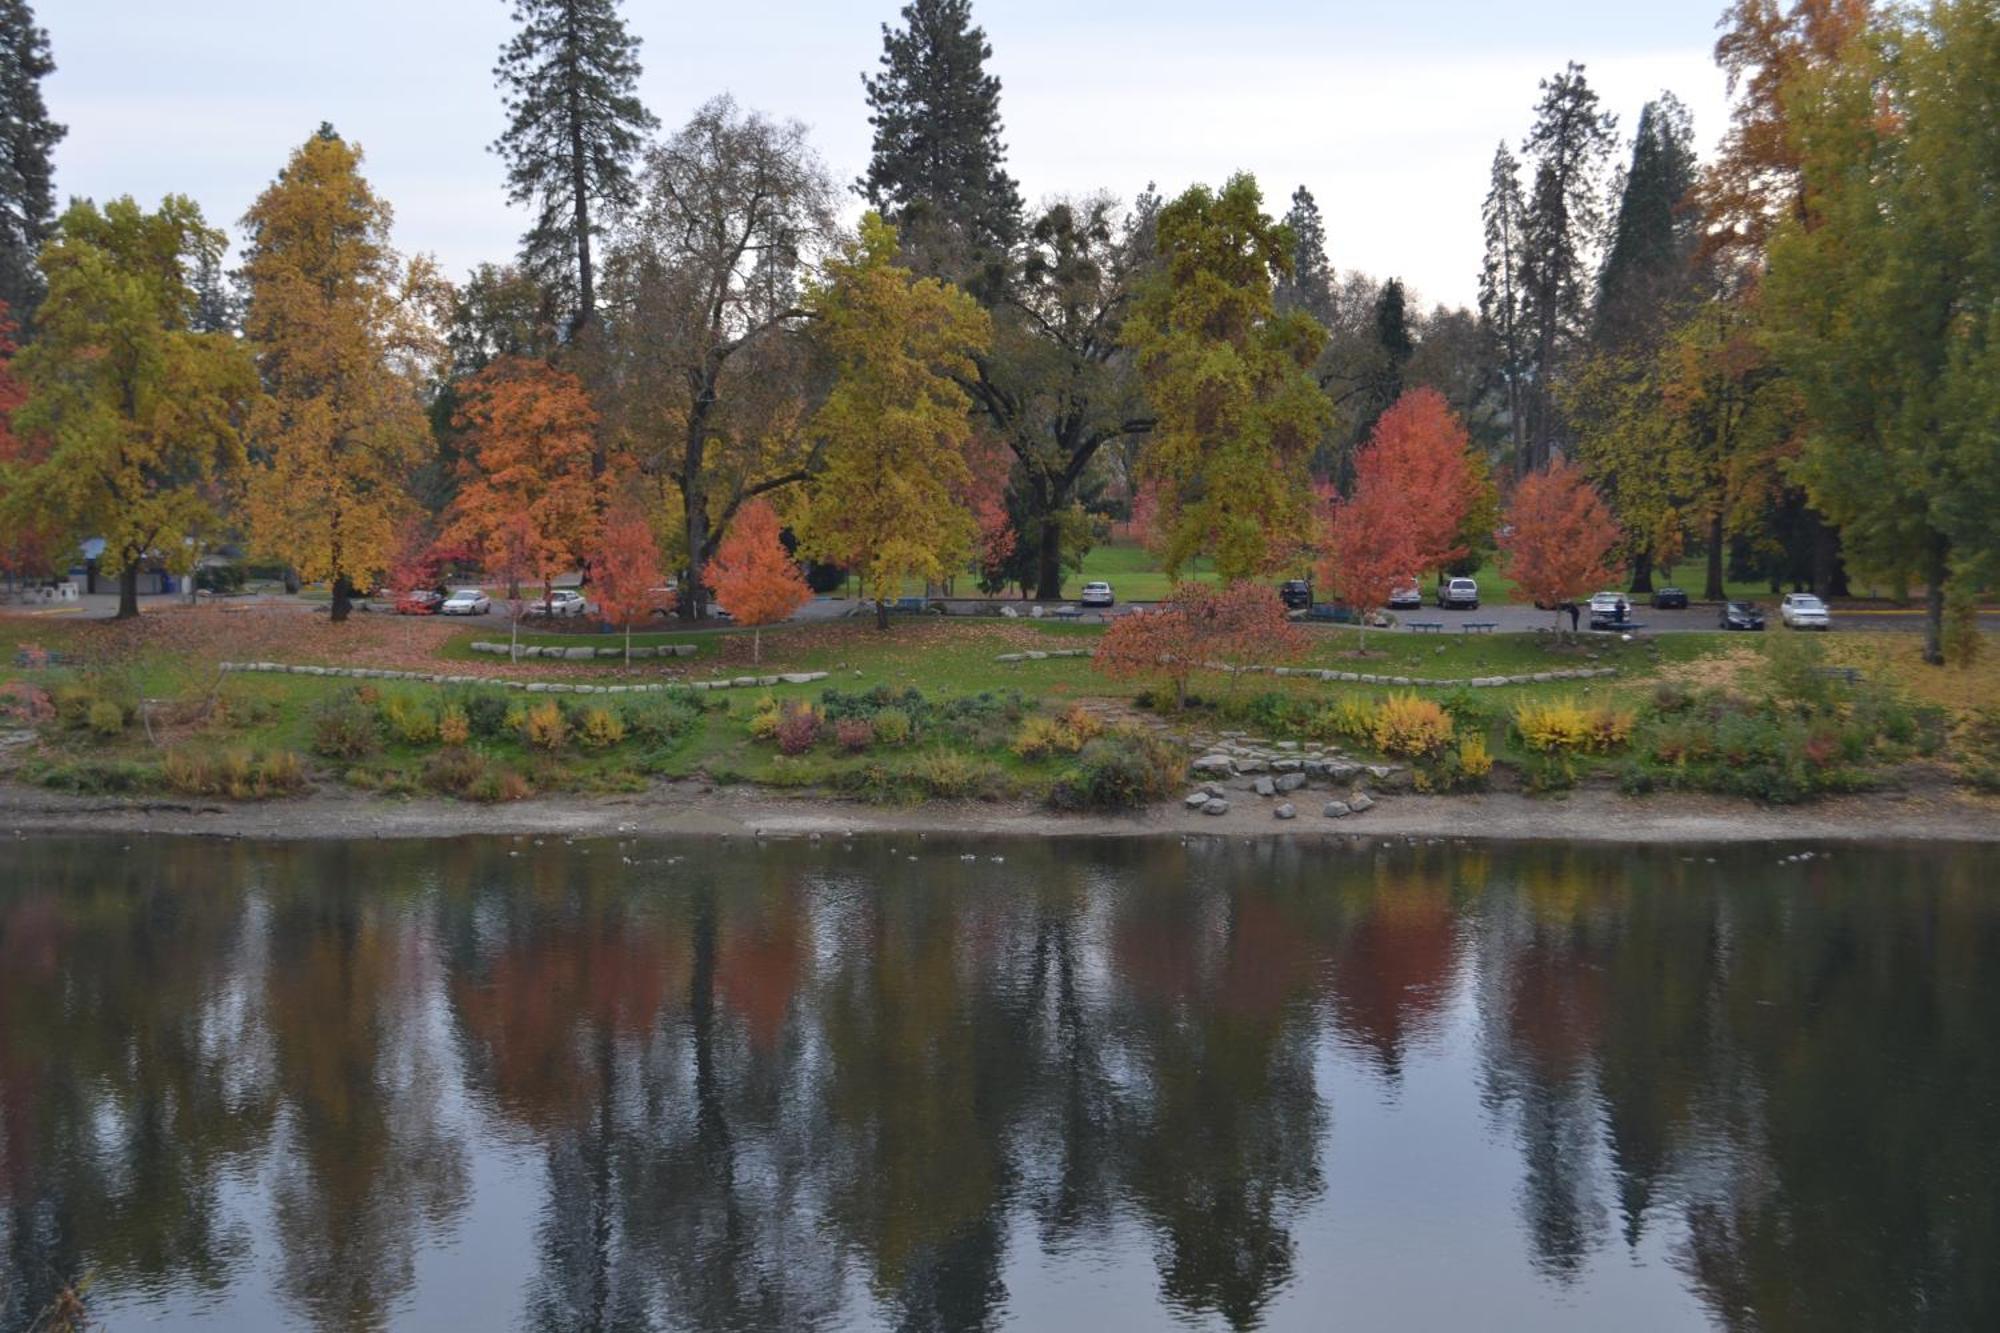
x=1067, y=613
x=1427, y=626
x=1851, y=675
x=910, y=605
x=1478, y=626
x=1332, y=613
x=33, y=657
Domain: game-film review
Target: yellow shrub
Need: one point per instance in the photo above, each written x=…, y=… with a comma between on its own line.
x=1082, y=726
x=454, y=728
x=236, y=775
x=602, y=729
x=543, y=727
x=282, y=771
x=1352, y=718
x=186, y=773
x=1411, y=726
x=1038, y=738
x=764, y=720
x=1564, y=726
x=412, y=723
x=1474, y=763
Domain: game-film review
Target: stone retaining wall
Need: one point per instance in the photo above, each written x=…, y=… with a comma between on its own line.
x=1362, y=678
x=528, y=687
x=588, y=652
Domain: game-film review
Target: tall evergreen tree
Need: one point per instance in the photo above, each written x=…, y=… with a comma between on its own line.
x=1394, y=346
x=1569, y=145
x=1501, y=293
x=1309, y=286
x=27, y=140
x=1649, y=266
x=939, y=167
x=574, y=122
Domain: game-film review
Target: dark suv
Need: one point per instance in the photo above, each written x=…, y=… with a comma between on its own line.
x=1741, y=615
x=1671, y=599
x=1296, y=594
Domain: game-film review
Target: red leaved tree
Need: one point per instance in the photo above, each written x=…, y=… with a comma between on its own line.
x=1559, y=537
x=1371, y=547
x=1420, y=448
x=625, y=568
x=1200, y=627
x=512, y=552
x=989, y=463
x=754, y=576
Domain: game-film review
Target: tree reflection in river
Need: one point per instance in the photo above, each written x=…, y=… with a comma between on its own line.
x=797, y=1085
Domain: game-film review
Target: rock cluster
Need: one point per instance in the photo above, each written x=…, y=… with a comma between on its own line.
x=586, y=652
x=528, y=687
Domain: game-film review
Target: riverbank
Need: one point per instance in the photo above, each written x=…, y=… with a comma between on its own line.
x=697, y=809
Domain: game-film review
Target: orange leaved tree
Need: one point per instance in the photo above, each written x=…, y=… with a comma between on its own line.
x=1200, y=627
x=1421, y=450
x=754, y=576
x=1371, y=547
x=1559, y=539
x=625, y=568
x=530, y=436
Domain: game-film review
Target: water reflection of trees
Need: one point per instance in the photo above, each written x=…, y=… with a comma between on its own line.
x=800, y=1086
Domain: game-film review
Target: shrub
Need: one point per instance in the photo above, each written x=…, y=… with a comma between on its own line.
x=854, y=734
x=486, y=713
x=601, y=729
x=95, y=777
x=1122, y=770
x=73, y=701
x=106, y=718
x=499, y=784
x=453, y=727
x=1475, y=763
x=1038, y=738
x=660, y=719
x=24, y=704
x=1564, y=726
x=892, y=727
x=240, y=775
x=764, y=721
x=1411, y=726
x=798, y=728
x=948, y=775
x=1351, y=718
x=544, y=728
x=836, y=704
x=454, y=772
x=282, y=772
x=409, y=721
x=185, y=773
x=344, y=727
x=1794, y=670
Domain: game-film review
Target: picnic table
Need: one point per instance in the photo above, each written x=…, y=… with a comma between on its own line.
x=1852, y=675
x=1067, y=613
x=1427, y=626
x=1478, y=626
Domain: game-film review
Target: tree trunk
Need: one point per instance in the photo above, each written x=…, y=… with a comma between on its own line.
x=128, y=591
x=756, y=644
x=628, y=645
x=881, y=614
x=1048, y=563
x=1829, y=570
x=1935, y=574
x=1713, y=590
x=343, y=598
x=1642, y=572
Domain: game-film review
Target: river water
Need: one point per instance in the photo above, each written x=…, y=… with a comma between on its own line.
x=710, y=1085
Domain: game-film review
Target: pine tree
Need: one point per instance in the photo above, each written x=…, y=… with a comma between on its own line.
x=574, y=122
x=1648, y=270
x=27, y=140
x=1394, y=345
x=1309, y=286
x=1500, y=290
x=939, y=166
x=1569, y=145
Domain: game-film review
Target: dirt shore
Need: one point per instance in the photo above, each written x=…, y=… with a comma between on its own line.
x=691, y=808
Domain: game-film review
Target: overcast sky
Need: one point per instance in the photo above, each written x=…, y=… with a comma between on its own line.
x=1388, y=112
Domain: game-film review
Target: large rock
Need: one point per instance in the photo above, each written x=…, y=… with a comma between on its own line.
x=1290, y=781
x=1251, y=763
x=1216, y=806
x=1336, y=810
x=1266, y=787
x=1342, y=770
x=580, y=654
x=1285, y=811
x=644, y=654
x=1196, y=800
x=1360, y=801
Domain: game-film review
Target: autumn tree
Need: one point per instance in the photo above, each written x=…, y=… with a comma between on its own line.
x=574, y=123
x=513, y=554
x=1200, y=627
x=707, y=359
x=1370, y=549
x=343, y=343
x=754, y=576
x=28, y=138
x=625, y=570
x=138, y=419
x=1237, y=410
x=529, y=431
x=894, y=425
x=995, y=538
x=29, y=544
x=1503, y=291
x=1559, y=537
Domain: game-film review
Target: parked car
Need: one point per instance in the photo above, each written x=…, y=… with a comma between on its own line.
x=1609, y=610
x=1406, y=597
x=1671, y=599
x=1459, y=594
x=1802, y=610
x=1742, y=615
x=418, y=602
x=564, y=602
x=1296, y=594
x=467, y=602
x=1097, y=594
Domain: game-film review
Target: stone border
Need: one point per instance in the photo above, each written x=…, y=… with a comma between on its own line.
x=1362, y=678
x=586, y=652
x=528, y=687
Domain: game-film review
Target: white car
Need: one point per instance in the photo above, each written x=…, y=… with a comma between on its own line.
x=565, y=602
x=1609, y=610
x=1406, y=597
x=1459, y=595
x=1097, y=594
x=466, y=602
x=1802, y=610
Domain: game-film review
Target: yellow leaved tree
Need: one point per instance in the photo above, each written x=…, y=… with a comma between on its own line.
x=894, y=427
x=343, y=343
